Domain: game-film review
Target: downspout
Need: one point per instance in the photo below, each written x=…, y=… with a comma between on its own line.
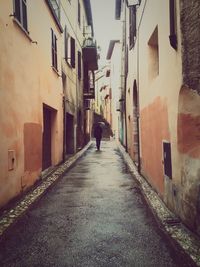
x=125, y=77
x=64, y=128
x=138, y=85
x=138, y=102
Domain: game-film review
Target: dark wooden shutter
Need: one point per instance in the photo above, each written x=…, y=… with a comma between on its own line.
x=20, y=11
x=79, y=65
x=132, y=26
x=73, y=52
x=24, y=15
x=17, y=10
x=172, y=36
x=66, y=36
x=54, y=50
x=79, y=13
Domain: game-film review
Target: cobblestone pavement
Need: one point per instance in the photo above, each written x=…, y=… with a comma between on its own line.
x=10, y=216
x=189, y=242
x=106, y=162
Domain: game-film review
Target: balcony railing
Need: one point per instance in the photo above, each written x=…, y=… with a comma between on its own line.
x=90, y=54
x=90, y=94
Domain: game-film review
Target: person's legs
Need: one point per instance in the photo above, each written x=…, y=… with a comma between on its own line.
x=98, y=143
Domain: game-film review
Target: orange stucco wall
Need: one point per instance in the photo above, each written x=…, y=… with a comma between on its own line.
x=27, y=80
x=154, y=129
x=189, y=135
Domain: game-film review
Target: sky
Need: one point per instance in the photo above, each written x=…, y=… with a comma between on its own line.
x=106, y=28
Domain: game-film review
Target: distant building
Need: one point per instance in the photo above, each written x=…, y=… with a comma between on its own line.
x=160, y=87
x=45, y=86
x=114, y=50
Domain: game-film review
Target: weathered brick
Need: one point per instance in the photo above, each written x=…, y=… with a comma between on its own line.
x=190, y=25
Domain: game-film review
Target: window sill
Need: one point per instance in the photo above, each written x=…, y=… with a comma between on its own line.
x=22, y=28
x=68, y=64
x=56, y=71
x=26, y=33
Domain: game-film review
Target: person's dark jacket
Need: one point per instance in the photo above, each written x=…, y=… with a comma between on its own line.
x=98, y=132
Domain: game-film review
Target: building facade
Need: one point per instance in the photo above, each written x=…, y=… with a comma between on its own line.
x=161, y=90
x=42, y=112
x=114, y=63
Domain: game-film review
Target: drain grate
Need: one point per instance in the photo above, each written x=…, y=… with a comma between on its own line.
x=172, y=221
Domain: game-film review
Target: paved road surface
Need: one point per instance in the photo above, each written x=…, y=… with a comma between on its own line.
x=93, y=216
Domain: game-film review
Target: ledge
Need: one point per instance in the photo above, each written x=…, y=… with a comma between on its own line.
x=26, y=33
x=56, y=71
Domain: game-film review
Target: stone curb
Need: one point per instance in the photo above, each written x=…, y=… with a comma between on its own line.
x=9, y=217
x=169, y=222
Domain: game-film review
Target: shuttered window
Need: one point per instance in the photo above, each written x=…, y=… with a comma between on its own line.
x=20, y=13
x=66, y=40
x=79, y=65
x=73, y=56
x=132, y=26
x=79, y=13
x=55, y=4
x=54, y=50
x=172, y=19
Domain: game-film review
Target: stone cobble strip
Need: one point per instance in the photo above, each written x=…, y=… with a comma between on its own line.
x=10, y=216
x=183, y=236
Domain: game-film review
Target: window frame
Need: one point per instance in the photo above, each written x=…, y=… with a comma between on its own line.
x=79, y=13
x=56, y=18
x=132, y=26
x=21, y=14
x=66, y=44
x=79, y=65
x=54, y=52
x=73, y=52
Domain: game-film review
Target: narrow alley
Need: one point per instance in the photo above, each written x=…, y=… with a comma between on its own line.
x=95, y=215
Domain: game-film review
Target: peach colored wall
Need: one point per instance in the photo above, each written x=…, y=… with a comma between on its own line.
x=189, y=157
x=158, y=94
x=26, y=82
x=154, y=129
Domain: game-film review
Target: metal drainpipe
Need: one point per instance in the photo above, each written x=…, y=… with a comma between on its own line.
x=138, y=61
x=64, y=127
x=125, y=78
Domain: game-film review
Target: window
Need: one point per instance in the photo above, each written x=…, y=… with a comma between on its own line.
x=79, y=65
x=54, y=50
x=132, y=26
x=167, y=159
x=69, y=48
x=56, y=7
x=66, y=40
x=79, y=13
x=173, y=35
x=153, y=55
x=20, y=13
x=72, y=41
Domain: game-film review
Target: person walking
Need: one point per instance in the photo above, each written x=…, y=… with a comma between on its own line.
x=98, y=135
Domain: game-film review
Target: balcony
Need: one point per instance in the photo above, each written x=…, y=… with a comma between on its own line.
x=90, y=54
x=90, y=94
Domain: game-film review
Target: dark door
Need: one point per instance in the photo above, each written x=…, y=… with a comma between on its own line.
x=69, y=135
x=46, y=141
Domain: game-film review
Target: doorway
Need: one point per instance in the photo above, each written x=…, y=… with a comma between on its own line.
x=46, y=139
x=69, y=133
